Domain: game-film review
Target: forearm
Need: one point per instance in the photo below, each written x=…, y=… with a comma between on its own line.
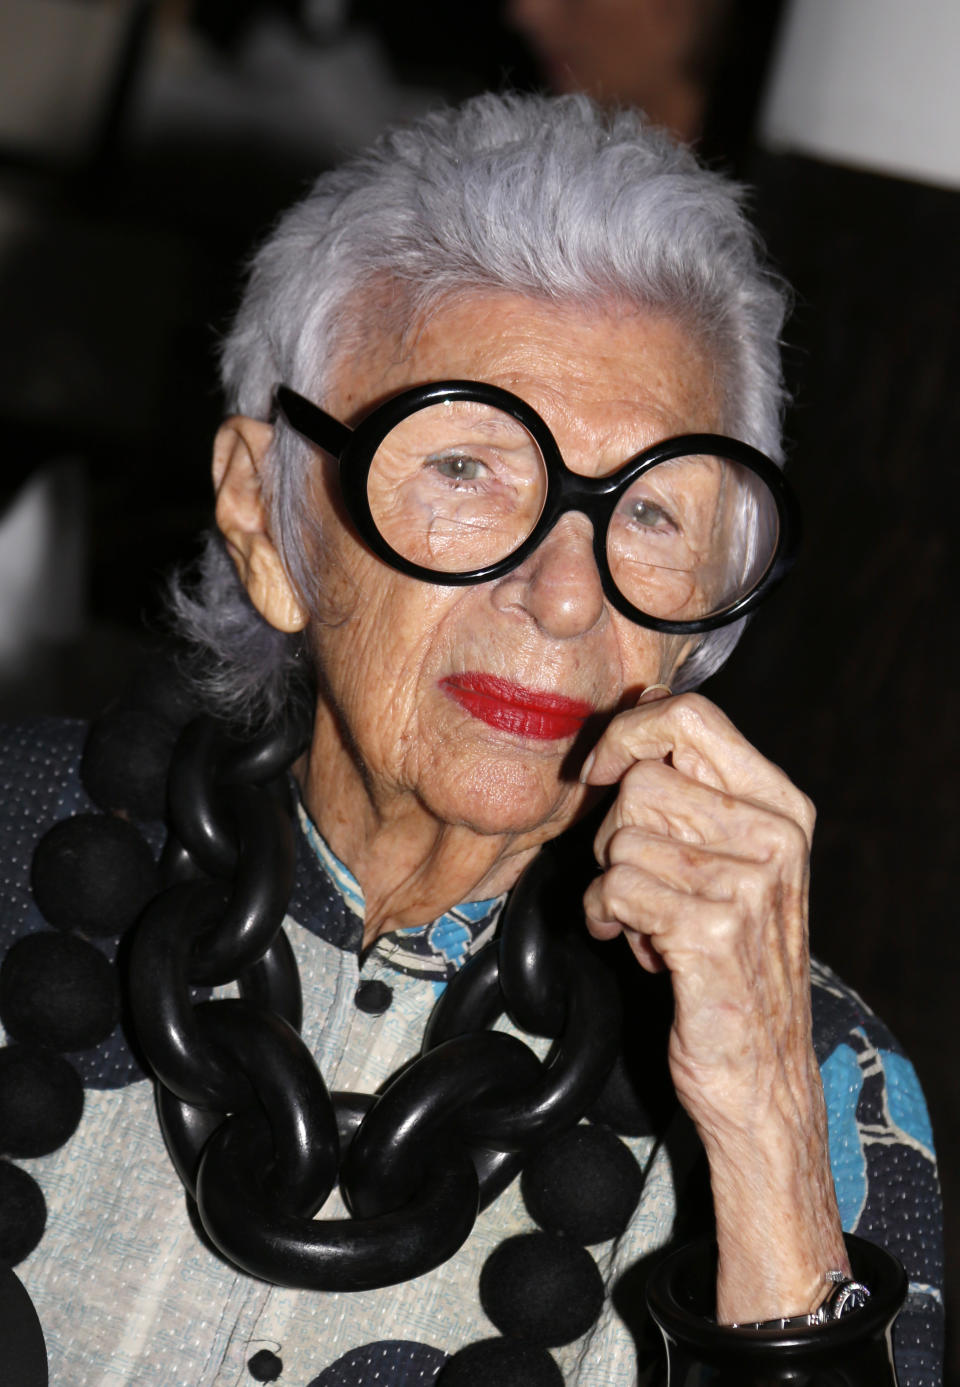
x=778, y=1226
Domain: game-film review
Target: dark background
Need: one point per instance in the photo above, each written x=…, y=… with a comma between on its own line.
x=128, y=264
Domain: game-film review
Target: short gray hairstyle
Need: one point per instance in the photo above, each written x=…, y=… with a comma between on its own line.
x=545, y=196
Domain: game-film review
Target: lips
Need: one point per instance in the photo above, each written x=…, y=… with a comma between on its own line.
x=544, y=717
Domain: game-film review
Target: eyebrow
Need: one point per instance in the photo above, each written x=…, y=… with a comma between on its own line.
x=479, y=419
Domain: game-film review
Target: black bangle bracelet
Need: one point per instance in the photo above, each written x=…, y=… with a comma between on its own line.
x=855, y=1350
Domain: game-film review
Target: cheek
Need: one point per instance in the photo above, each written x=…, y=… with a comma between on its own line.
x=647, y=657
x=338, y=562
x=378, y=640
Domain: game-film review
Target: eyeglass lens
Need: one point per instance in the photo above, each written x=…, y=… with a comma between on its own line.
x=459, y=485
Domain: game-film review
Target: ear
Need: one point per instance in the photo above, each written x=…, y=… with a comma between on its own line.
x=238, y=452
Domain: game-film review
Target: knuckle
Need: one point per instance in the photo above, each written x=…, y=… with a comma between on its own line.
x=799, y=809
x=640, y=773
x=615, y=881
x=616, y=844
x=757, y=890
x=700, y=712
x=806, y=812
x=619, y=884
x=694, y=710
x=792, y=839
x=640, y=789
x=724, y=927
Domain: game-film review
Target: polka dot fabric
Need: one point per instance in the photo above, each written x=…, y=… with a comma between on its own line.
x=39, y=786
x=399, y=1364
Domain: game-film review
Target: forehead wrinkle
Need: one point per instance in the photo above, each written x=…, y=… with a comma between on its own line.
x=529, y=354
x=599, y=436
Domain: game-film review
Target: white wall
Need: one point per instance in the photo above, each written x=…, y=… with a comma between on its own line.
x=872, y=83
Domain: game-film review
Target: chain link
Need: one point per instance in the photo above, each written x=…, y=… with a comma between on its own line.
x=252, y=1131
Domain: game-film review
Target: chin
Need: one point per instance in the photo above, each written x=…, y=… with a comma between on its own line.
x=506, y=796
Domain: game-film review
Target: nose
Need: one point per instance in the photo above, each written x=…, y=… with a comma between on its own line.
x=558, y=586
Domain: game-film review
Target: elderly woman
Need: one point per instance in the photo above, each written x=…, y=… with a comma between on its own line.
x=490, y=504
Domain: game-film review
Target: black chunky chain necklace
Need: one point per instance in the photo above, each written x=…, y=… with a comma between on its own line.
x=254, y=1134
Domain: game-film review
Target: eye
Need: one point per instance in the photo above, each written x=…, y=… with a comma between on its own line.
x=458, y=469
x=649, y=515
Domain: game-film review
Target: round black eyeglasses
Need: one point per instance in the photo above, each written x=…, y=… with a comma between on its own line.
x=457, y=482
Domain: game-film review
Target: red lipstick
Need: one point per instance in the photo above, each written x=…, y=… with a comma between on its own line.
x=545, y=717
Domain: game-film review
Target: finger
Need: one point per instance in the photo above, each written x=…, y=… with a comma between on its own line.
x=665, y=727
x=660, y=799
x=703, y=744
x=644, y=952
x=742, y=956
x=629, y=898
x=689, y=870
x=653, y=693
x=604, y=901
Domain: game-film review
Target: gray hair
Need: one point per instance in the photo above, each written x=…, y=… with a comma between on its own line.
x=545, y=196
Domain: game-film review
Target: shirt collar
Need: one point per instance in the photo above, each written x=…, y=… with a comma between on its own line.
x=435, y=950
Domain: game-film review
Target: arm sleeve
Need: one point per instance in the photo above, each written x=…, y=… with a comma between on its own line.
x=883, y=1161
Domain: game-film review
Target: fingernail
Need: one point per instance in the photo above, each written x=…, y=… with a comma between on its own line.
x=587, y=767
x=654, y=692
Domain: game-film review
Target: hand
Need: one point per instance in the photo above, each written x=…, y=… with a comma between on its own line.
x=705, y=856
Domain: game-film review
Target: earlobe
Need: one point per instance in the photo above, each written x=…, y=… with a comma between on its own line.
x=239, y=451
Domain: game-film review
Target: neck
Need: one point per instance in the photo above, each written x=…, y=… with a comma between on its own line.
x=410, y=866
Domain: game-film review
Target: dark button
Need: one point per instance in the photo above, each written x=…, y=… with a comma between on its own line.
x=373, y=997
x=265, y=1366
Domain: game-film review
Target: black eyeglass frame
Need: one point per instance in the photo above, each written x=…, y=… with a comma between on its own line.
x=595, y=497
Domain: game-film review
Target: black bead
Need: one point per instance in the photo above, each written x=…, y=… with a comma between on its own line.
x=23, y=1214
x=541, y=1287
x=125, y=761
x=41, y=1101
x=584, y=1183
x=500, y=1363
x=265, y=1366
x=93, y=873
x=373, y=996
x=58, y=991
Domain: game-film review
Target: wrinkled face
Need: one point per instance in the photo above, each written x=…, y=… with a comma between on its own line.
x=481, y=702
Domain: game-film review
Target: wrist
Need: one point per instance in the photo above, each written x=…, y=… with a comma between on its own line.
x=855, y=1347
x=844, y=1296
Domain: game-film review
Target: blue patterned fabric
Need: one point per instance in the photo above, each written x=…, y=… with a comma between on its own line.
x=883, y=1162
